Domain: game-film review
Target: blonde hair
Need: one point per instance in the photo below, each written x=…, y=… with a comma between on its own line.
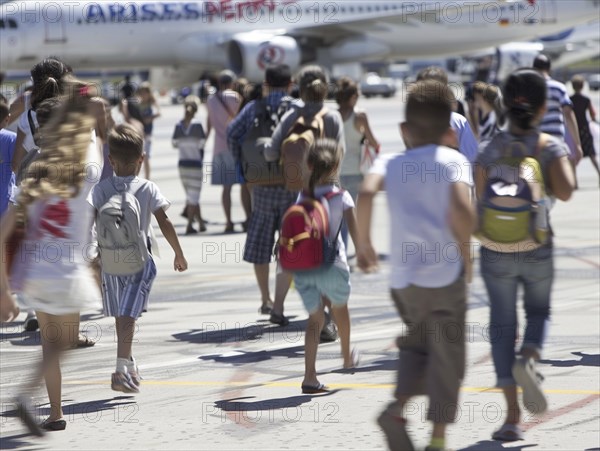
x=191, y=103
x=324, y=160
x=313, y=84
x=60, y=168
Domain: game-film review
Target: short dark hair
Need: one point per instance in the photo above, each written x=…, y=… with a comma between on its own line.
x=125, y=143
x=4, y=111
x=226, y=78
x=428, y=109
x=524, y=93
x=346, y=89
x=542, y=62
x=279, y=76
x=433, y=73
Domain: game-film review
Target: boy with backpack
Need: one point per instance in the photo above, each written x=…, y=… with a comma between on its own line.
x=124, y=204
x=311, y=247
x=431, y=223
x=514, y=174
x=246, y=136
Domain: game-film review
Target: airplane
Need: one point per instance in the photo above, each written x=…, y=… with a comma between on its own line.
x=183, y=38
x=564, y=48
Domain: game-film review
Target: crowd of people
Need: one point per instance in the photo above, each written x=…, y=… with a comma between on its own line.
x=518, y=140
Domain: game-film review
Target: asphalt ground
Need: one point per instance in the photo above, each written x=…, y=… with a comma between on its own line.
x=218, y=376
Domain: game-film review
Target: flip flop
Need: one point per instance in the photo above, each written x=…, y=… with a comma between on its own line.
x=508, y=433
x=312, y=390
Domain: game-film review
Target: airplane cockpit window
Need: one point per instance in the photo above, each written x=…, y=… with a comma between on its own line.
x=2, y=23
x=12, y=23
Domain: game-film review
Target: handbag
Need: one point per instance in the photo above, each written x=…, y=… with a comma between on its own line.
x=368, y=154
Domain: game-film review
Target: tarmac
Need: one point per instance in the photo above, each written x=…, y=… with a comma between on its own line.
x=218, y=376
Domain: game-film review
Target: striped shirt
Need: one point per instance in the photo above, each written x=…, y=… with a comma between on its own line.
x=553, y=122
x=488, y=127
x=190, y=142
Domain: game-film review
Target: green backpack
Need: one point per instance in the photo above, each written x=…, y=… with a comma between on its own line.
x=513, y=206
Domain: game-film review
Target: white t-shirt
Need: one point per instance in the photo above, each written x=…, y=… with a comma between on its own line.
x=424, y=251
x=336, y=206
x=146, y=192
x=53, y=272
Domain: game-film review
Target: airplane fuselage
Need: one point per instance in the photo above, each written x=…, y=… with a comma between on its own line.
x=142, y=34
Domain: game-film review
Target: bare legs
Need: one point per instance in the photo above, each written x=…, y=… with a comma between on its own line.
x=58, y=333
x=226, y=201
x=311, y=343
x=283, y=280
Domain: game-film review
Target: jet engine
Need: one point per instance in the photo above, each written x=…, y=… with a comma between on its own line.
x=249, y=54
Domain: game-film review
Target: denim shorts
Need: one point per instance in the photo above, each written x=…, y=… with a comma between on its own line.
x=332, y=282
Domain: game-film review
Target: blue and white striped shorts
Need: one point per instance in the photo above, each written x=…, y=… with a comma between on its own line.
x=127, y=295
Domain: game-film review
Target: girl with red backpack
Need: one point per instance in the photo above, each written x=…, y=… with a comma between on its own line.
x=330, y=281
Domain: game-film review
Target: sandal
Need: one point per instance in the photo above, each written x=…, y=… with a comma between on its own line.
x=83, y=342
x=314, y=389
x=508, y=433
x=265, y=309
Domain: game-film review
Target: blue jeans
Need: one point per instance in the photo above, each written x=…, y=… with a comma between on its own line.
x=502, y=274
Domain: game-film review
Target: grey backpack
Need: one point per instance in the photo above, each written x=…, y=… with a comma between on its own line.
x=122, y=244
x=256, y=169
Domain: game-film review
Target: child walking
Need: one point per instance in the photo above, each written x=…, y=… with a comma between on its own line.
x=52, y=204
x=581, y=106
x=525, y=262
x=126, y=296
x=189, y=138
x=429, y=209
x=333, y=282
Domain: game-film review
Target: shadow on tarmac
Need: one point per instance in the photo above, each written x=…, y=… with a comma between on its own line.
x=493, y=445
x=17, y=442
x=586, y=360
x=213, y=333
x=234, y=404
x=80, y=408
x=244, y=357
x=378, y=365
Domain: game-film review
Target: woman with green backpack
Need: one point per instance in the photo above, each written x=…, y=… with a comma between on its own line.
x=516, y=176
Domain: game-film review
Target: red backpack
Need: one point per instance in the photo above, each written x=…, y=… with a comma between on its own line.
x=304, y=241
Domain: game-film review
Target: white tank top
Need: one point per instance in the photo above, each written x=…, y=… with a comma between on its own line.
x=353, y=138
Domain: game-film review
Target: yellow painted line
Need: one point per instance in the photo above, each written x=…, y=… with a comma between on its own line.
x=296, y=384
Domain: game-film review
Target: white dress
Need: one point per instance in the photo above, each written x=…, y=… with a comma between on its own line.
x=52, y=269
